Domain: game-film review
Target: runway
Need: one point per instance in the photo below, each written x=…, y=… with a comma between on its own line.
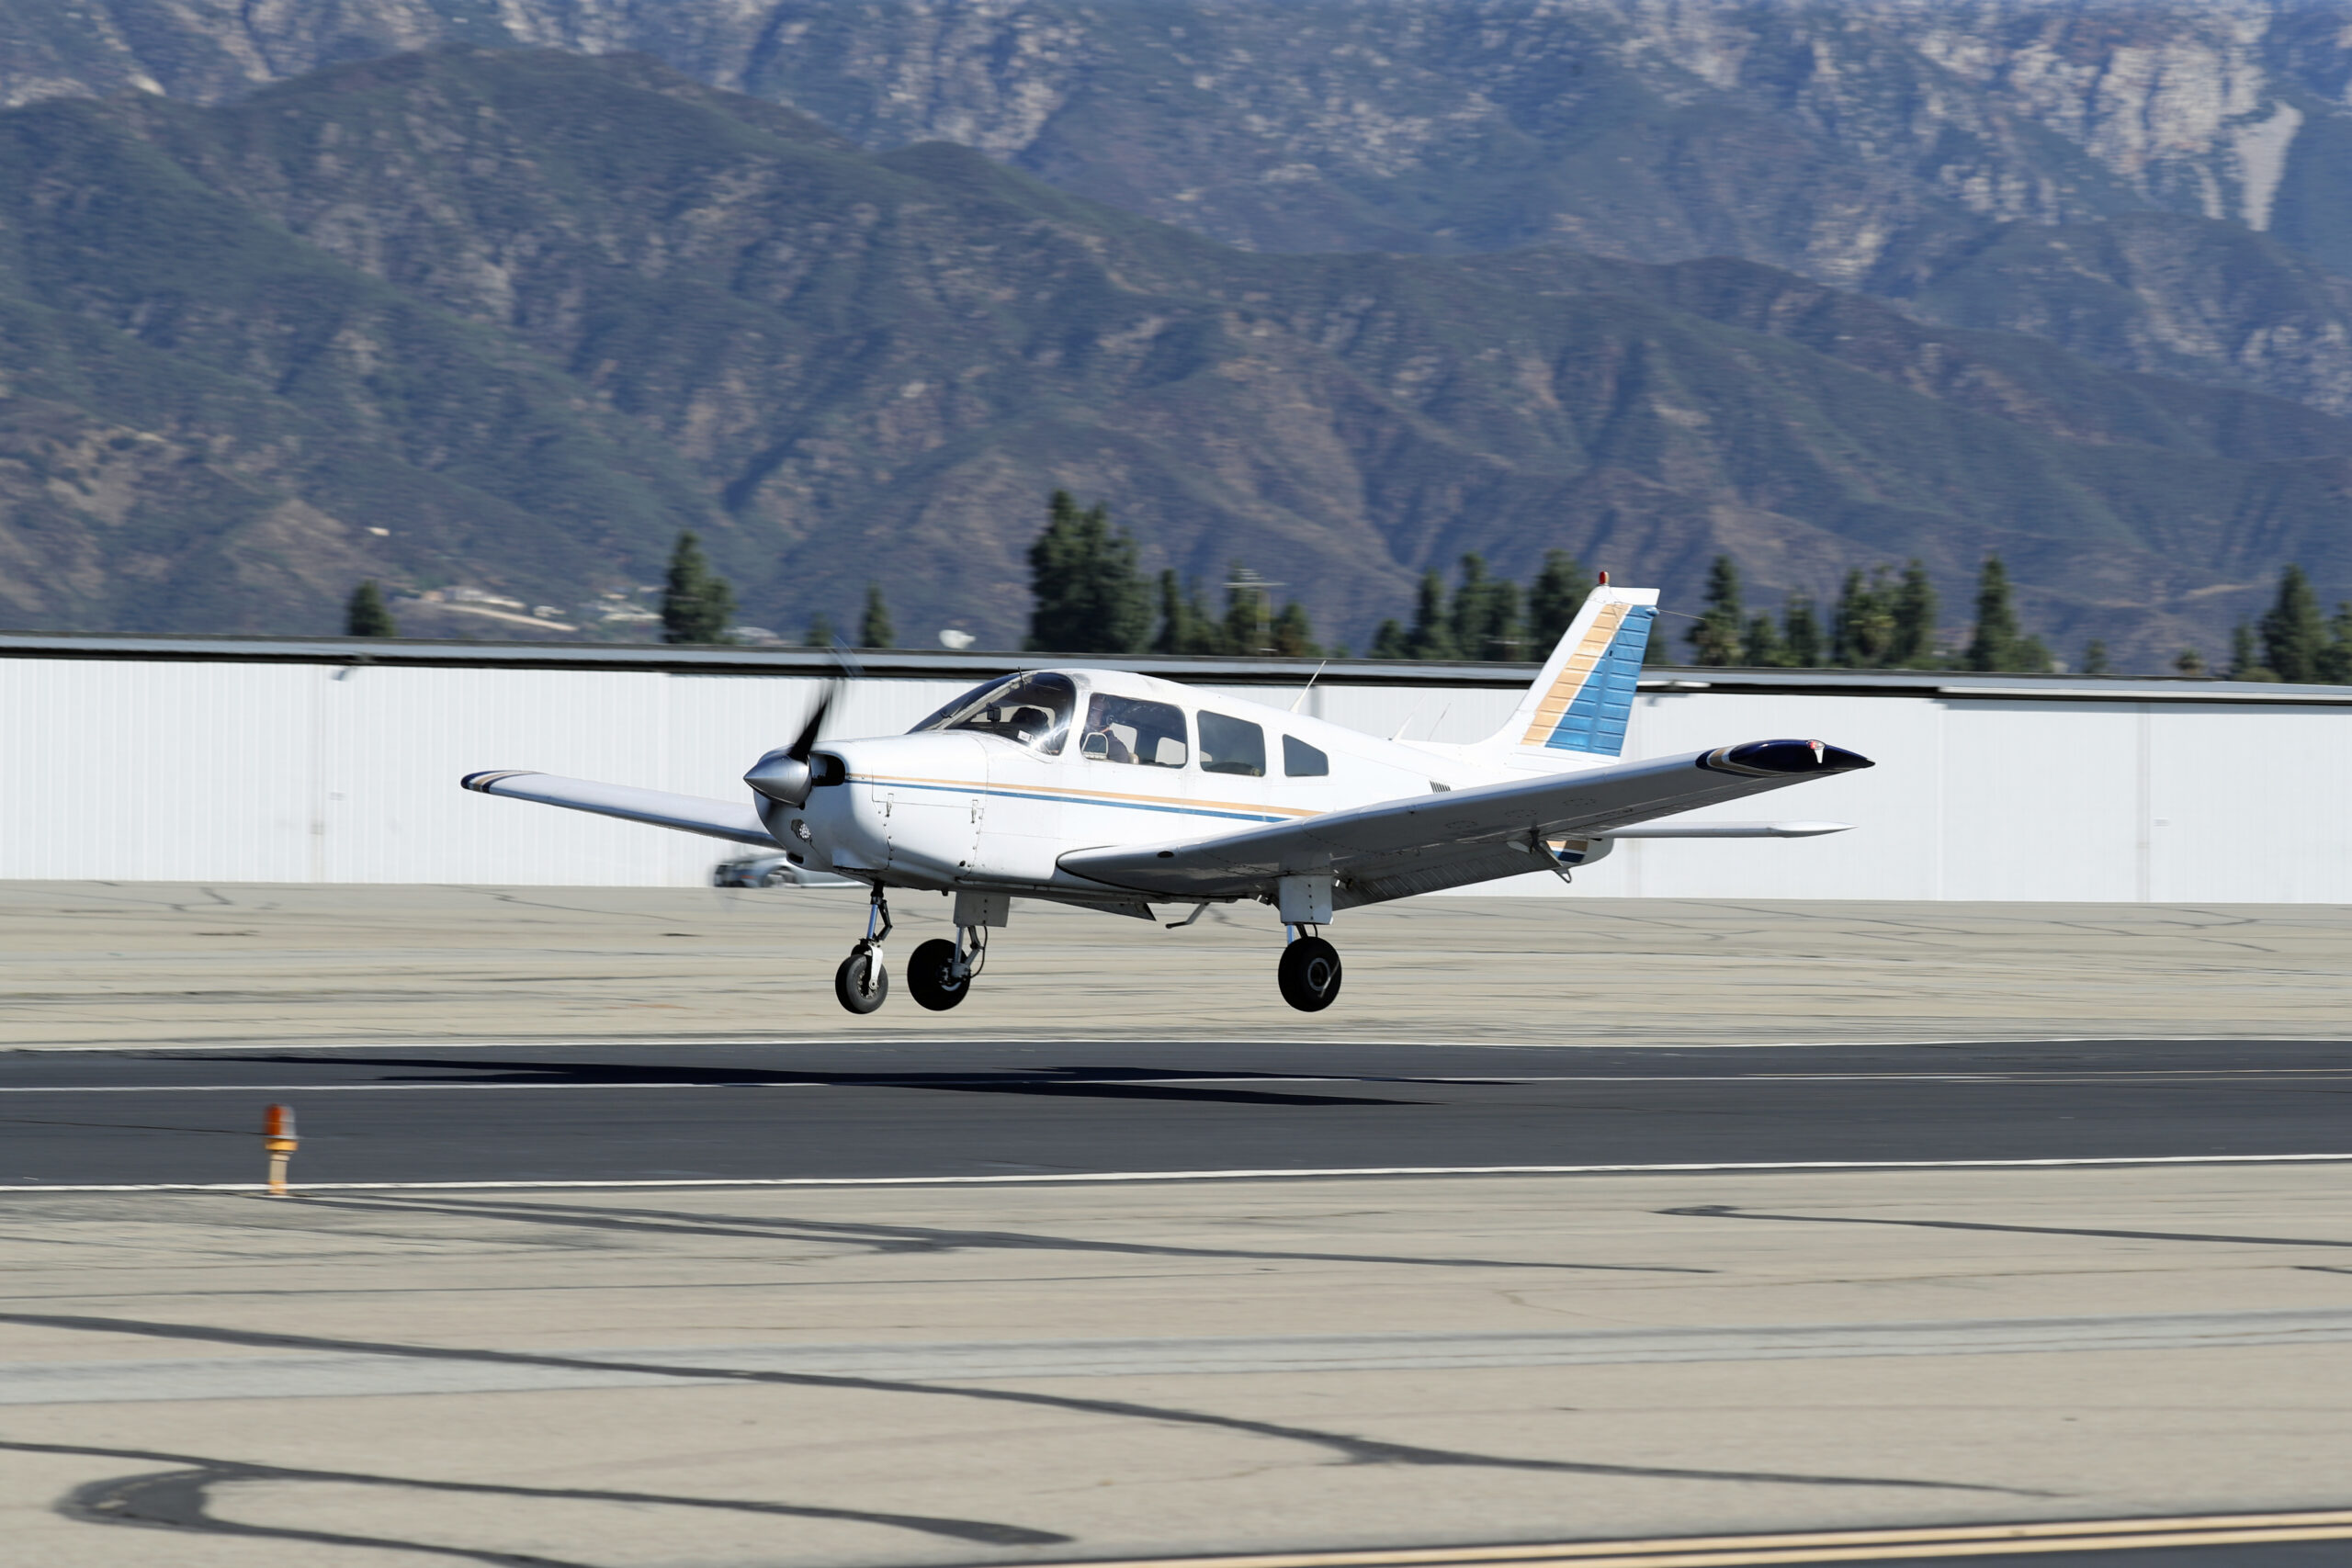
x=966, y=1109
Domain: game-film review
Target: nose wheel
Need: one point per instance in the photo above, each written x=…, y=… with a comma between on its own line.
x=862, y=984
x=1309, y=976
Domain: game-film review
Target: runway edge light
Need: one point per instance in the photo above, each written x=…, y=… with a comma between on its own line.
x=277, y=1138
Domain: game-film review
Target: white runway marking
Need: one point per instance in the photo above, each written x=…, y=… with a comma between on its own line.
x=1011, y=1080
x=1681, y=1168
x=338, y=1374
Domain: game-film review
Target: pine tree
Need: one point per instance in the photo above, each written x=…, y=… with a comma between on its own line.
x=1913, y=608
x=1468, y=620
x=2293, y=636
x=1294, y=637
x=1486, y=613
x=820, y=633
x=1560, y=590
x=2335, y=660
x=1715, y=639
x=1090, y=598
x=1801, y=630
x=1185, y=624
x=1389, y=641
x=2095, y=658
x=1995, y=645
x=367, y=615
x=2189, y=662
x=1430, y=637
x=2242, y=664
x=1169, y=636
x=696, y=602
x=1864, y=624
x=1761, y=647
x=874, y=628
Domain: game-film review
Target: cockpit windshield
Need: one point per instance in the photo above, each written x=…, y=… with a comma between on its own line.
x=1031, y=710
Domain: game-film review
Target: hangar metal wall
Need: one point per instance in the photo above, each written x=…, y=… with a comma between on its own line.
x=184, y=769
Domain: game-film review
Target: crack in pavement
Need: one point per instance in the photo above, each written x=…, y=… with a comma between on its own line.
x=177, y=1499
x=911, y=1238
x=1353, y=1450
x=1731, y=1212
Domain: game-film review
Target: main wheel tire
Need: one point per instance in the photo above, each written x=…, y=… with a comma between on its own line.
x=862, y=983
x=1310, y=974
x=931, y=976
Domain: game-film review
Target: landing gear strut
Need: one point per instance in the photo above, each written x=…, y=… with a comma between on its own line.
x=1310, y=974
x=862, y=983
x=941, y=972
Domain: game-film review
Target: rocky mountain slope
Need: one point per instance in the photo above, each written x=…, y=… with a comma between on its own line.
x=2147, y=183
x=514, y=318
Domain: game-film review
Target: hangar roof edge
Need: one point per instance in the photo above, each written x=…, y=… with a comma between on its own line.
x=979, y=664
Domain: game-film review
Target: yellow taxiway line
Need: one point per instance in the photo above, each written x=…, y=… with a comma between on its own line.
x=1826, y=1546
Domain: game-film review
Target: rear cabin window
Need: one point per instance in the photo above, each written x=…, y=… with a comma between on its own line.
x=1232, y=746
x=1132, y=730
x=1301, y=761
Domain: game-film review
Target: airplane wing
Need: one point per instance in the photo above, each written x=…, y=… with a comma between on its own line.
x=1424, y=842
x=658, y=808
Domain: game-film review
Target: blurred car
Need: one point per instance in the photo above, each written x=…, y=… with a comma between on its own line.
x=772, y=871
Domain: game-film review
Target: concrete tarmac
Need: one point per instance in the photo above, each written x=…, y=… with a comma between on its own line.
x=1100, y=1372
x=85, y=964
x=1047, y=1365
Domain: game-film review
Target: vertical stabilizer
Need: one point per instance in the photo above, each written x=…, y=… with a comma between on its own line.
x=1578, y=707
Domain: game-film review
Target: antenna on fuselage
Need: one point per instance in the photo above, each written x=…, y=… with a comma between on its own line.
x=1308, y=687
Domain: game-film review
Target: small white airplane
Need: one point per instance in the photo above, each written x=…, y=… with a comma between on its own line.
x=1116, y=791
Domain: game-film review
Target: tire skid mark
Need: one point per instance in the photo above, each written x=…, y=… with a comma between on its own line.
x=1351, y=1449
x=178, y=1499
x=1732, y=1211
x=915, y=1238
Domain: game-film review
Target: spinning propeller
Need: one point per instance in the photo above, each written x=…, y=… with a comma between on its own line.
x=784, y=775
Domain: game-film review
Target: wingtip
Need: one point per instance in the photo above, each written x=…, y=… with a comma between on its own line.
x=480, y=783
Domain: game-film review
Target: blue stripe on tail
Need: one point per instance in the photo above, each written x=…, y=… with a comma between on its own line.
x=1596, y=720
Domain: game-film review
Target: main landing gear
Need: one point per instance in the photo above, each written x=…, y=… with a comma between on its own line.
x=939, y=975
x=1310, y=974
x=941, y=972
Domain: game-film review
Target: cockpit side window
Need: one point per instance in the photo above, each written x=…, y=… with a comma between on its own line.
x=1029, y=710
x=1301, y=761
x=1131, y=729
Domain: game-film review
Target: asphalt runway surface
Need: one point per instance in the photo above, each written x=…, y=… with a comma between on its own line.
x=964, y=1109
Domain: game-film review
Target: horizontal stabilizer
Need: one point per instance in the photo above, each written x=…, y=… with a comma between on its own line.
x=655, y=808
x=1726, y=830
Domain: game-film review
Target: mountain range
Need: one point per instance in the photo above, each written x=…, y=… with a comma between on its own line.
x=1341, y=290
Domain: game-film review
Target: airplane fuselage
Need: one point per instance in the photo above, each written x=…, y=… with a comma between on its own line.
x=1133, y=760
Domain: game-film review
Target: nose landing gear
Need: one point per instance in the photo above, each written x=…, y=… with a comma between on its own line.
x=1309, y=976
x=862, y=984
